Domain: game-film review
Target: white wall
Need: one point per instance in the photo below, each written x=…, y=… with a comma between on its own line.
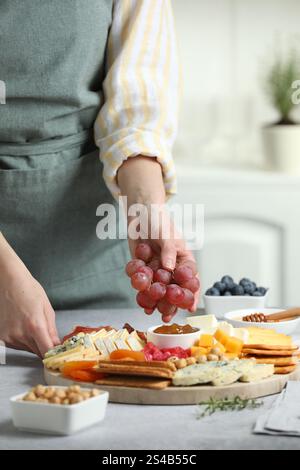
x=225, y=46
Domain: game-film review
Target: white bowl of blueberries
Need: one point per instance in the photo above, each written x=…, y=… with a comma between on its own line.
x=226, y=295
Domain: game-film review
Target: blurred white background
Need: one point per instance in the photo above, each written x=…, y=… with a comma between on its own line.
x=252, y=226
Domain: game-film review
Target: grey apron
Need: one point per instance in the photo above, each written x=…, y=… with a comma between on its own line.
x=52, y=55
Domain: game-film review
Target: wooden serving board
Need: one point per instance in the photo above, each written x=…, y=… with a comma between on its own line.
x=183, y=395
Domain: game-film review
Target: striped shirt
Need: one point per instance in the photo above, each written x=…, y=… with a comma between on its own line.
x=141, y=89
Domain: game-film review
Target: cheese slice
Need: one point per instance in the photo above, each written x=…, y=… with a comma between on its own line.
x=134, y=344
x=121, y=344
x=242, y=334
x=226, y=327
x=100, y=345
x=258, y=372
x=110, y=345
x=205, y=322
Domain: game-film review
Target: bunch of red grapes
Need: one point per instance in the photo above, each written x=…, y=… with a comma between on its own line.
x=158, y=288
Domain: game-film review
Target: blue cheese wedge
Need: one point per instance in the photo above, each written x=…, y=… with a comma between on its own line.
x=258, y=372
x=195, y=374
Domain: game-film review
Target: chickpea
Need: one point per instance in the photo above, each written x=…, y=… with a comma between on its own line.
x=76, y=399
x=190, y=361
x=202, y=359
x=30, y=397
x=95, y=392
x=212, y=357
x=181, y=363
x=66, y=401
x=39, y=390
x=60, y=393
x=74, y=388
x=55, y=400
x=86, y=395
x=42, y=400
x=216, y=351
x=49, y=392
x=223, y=358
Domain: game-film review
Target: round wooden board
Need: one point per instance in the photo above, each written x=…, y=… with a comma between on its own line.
x=183, y=395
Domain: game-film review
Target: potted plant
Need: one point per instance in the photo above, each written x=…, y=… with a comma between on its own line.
x=282, y=139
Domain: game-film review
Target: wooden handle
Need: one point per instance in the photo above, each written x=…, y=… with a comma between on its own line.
x=285, y=314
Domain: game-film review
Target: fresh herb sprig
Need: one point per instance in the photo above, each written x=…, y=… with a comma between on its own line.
x=237, y=404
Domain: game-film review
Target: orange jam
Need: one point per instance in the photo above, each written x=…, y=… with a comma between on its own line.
x=175, y=329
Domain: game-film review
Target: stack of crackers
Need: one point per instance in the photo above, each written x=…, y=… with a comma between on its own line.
x=155, y=375
x=284, y=358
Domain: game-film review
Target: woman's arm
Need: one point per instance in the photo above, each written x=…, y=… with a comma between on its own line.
x=27, y=320
x=141, y=90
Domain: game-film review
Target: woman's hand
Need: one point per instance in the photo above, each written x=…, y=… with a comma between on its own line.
x=27, y=319
x=140, y=179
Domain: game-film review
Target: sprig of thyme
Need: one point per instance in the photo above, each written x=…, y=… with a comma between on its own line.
x=237, y=404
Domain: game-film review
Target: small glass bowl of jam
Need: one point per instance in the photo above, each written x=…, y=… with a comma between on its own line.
x=172, y=336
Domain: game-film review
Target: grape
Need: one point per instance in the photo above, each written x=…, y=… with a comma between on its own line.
x=191, y=264
x=165, y=308
x=146, y=270
x=149, y=311
x=182, y=274
x=140, y=281
x=144, y=300
x=157, y=291
x=192, y=284
x=175, y=294
x=154, y=264
x=188, y=300
x=168, y=318
x=161, y=275
x=144, y=252
x=133, y=266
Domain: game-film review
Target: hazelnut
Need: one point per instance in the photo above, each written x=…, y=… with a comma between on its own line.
x=74, y=388
x=180, y=363
x=202, y=359
x=190, y=361
x=212, y=357
x=216, y=351
x=30, y=397
x=39, y=390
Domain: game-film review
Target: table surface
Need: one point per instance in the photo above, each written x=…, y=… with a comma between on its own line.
x=130, y=426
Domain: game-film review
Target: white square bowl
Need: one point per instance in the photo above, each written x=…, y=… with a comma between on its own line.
x=57, y=419
x=219, y=305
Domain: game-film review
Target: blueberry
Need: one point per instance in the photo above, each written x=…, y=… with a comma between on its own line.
x=244, y=281
x=263, y=290
x=257, y=293
x=228, y=281
x=220, y=286
x=237, y=290
x=227, y=293
x=249, y=288
x=213, y=291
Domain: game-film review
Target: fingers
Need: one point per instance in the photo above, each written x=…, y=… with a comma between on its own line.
x=168, y=255
x=42, y=339
x=50, y=319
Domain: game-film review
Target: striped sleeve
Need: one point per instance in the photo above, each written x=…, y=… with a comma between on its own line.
x=141, y=89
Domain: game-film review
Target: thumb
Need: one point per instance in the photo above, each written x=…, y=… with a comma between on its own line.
x=168, y=255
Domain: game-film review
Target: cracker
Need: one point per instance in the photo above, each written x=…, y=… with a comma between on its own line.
x=292, y=347
x=129, y=369
x=284, y=370
x=156, y=364
x=277, y=361
x=135, y=382
x=269, y=352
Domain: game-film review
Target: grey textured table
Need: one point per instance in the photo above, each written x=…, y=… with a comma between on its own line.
x=128, y=426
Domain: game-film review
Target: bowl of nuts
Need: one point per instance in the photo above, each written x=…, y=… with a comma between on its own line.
x=58, y=410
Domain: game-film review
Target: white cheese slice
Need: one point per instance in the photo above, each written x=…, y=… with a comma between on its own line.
x=135, y=336
x=110, y=345
x=226, y=327
x=204, y=322
x=134, y=344
x=100, y=345
x=258, y=372
x=121, y=344
x=99, y=334
x=242, y=334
